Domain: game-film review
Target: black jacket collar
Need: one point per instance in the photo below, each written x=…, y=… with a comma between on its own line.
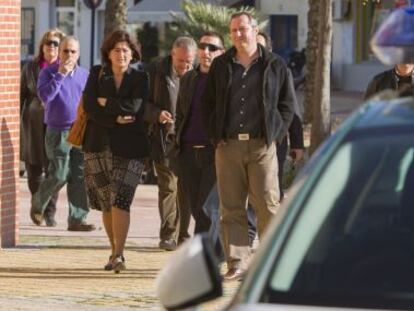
x=265, y=54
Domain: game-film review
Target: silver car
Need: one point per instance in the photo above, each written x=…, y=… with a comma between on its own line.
x=345, y=237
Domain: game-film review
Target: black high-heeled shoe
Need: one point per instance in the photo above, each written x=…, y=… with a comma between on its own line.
x=118, y=264
x=110, y=265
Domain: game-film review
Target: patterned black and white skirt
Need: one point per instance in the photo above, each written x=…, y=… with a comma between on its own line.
x=111, y=180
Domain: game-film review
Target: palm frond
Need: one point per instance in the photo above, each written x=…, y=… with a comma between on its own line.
x=202, y=16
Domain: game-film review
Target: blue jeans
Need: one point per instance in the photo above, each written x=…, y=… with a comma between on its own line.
x=211, y=209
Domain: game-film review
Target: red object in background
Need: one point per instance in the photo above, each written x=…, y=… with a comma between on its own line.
x=400, y=3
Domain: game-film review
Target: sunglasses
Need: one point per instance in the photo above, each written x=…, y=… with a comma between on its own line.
x=209, y=46
x=52, y=42
x=67, y=51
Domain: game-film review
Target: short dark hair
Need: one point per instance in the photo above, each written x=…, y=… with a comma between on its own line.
x=120, y=36
x=213, y=34
x=252, y=20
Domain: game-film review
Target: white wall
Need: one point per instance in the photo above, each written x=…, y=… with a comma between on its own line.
x=84, y=33
x=343, y=41
x=288, y=7
x=42, y=9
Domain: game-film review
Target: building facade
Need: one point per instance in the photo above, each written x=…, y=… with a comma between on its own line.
x=354, y=22
x=71, y=16
x=9, y=121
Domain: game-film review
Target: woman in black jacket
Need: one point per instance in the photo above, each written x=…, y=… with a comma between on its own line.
x=115, y=141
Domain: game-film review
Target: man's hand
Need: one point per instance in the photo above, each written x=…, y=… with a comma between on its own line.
x=165, y=117
x=125, y=119
x=102, y=101
x=297, y=154
x=66, y=66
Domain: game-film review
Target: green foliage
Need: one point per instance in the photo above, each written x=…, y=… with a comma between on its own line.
x=200, y=17
x=148, y=37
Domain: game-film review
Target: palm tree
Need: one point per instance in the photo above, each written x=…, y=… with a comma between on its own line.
x=200, y=17
x=318, y=60
x=115, y=15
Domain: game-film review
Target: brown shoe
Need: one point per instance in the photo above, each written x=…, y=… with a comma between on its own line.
x=81, y=226
x=37, y=218
x=234, y=274
x=168, y=245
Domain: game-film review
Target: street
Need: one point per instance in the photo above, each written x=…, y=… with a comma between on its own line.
x=54, y=269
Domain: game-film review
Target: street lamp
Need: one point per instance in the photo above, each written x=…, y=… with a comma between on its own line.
x=92, y=4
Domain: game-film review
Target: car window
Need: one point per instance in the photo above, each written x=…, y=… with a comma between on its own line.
x=354, y=236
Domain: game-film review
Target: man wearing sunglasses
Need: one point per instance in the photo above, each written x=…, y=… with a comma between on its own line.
x=247, y=106
x=60, y=88
x=196, y=170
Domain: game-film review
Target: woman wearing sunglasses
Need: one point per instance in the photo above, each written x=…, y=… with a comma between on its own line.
x=32, y=148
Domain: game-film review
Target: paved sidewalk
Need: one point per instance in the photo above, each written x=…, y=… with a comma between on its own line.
x=54, y=269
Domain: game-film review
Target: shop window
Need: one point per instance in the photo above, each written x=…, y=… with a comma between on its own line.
x=66, y=16
x=27, y=33
x=284, y=33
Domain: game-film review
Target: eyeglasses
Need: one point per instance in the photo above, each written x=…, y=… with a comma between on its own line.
x=67, y=51
x=209, y=46
x=52, y=42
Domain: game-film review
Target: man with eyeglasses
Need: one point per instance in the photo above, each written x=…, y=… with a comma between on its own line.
x=164, y=85
x=60, y=87
x=247, y=106
x=196, y=171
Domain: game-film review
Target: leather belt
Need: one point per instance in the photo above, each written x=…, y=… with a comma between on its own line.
x=243, y=136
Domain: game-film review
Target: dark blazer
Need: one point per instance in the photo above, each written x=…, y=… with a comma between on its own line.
x=159, y=99
x=32, y=142
x=277, y=105
x=185, y=96
x=125, y=140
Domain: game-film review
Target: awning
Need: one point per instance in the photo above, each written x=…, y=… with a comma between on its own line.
x=156, y=10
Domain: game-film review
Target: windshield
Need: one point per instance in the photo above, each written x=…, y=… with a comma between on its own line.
x=353, y=241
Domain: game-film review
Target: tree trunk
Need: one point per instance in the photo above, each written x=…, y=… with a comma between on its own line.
x=115, y=15
x=318, y=90
x=311, y=57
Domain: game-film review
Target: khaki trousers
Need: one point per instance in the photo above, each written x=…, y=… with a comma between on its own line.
x=174, y=213
x=245, y=170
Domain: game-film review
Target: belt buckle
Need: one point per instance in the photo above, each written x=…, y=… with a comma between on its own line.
x=198, y=146
x=243, y=136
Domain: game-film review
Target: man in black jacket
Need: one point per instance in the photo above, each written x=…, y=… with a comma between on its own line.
x=398, y=78
x=247, y=106
x=164, y=85
x=196, y=170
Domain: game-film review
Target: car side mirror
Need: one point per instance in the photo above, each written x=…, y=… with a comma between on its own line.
x=191, y=276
